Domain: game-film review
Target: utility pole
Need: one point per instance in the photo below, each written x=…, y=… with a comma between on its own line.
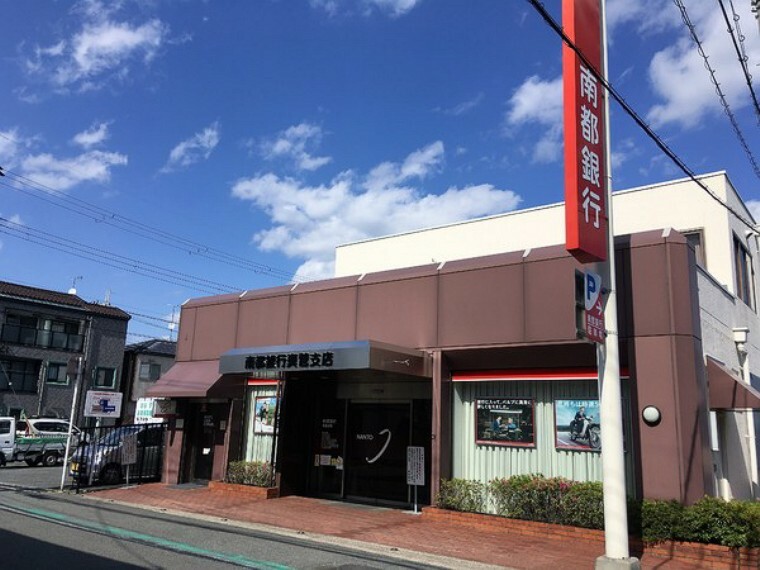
x=616, y=549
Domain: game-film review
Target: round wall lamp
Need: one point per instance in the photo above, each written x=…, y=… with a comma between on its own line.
x=651, y=415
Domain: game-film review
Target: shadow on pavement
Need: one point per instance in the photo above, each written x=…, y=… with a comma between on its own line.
x=21, y=551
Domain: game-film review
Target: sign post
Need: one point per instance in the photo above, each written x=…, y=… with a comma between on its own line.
x=589, y=237
x=129, y=451
x=415, y=469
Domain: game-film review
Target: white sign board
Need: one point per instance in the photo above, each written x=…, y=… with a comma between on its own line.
x=102, y=404
x=129, y=449
x=415, y=466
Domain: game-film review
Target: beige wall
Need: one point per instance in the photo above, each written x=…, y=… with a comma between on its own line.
x=679, y=204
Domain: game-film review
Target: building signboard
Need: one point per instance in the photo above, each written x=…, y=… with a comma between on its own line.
x=504, y=421
x=102, y=404
x=584, y=121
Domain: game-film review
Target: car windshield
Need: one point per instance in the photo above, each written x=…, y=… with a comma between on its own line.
x=115, y=437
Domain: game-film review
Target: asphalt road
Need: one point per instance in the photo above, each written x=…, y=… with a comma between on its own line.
x=21, y=475
x=43, y=529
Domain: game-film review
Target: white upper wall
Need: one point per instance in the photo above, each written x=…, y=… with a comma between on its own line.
x=679, y=204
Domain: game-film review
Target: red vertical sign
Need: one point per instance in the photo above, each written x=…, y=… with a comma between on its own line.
x=585, y=181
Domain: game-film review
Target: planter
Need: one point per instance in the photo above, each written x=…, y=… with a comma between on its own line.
x=701, y=555
x=248, y=491
x=527, y=528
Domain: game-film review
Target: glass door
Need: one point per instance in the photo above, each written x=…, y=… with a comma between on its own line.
x=377, y=436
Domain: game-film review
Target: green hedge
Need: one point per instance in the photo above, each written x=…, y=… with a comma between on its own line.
x=256, y=473
x=557, y=500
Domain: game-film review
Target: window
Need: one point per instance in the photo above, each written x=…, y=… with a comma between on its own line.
x=5, y=427
x=45, y=332
x=745, y=274
x=694, y=239
x=150, y=371
x=105, y=377
x=19, y=375
x=56, y=373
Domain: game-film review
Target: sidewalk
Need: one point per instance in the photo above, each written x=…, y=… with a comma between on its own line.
x=385, y=528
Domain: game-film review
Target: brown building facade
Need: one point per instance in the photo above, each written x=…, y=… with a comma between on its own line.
x=477, y=362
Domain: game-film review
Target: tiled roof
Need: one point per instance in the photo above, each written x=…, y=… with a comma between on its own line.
x=153, y=346
x=32, y=294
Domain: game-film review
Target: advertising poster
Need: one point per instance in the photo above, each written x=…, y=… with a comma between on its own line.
x=264, y=414
x=505, y=421
x=576, y=425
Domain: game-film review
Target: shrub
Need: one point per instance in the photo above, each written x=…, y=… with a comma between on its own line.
x=461, y=495
x=256, y=473
x=714, y=521
x=659, y=520
x=582, y=504
x=537, y=498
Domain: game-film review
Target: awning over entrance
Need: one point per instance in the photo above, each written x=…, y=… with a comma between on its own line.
x=198, y=379
x=727, y=391
x=328, y=356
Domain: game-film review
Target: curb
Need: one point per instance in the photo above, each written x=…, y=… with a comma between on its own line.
x=316, y=538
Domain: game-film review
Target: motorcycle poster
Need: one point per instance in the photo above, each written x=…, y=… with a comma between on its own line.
x=577, y=425
x=505, y=421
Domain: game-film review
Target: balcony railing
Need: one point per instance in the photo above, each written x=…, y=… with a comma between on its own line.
x=30, y=336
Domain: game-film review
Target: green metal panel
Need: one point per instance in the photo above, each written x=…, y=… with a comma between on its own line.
x=484, y=462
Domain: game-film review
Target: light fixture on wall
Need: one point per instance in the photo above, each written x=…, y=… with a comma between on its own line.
x=651, y=415
x=740, y=339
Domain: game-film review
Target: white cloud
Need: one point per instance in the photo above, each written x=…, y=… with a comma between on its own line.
x=292, y=143
x=9, y=147
x=196, y=148
x=419, y=164
x=465, y=106
x=93, y=136
x=538, y=101
x=393, y=8
x=62, y=174
x=647, y=16
x=310, y=221
x=102, y=49
x=680, y=80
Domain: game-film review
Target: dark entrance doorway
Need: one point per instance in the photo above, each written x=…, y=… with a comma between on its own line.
x=206, y=435
x=376, y=441
x=338, y=442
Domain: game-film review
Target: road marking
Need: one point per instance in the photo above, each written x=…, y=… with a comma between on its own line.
x=147, y=539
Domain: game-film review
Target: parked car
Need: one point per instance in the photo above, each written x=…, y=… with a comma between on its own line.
x=102, y=460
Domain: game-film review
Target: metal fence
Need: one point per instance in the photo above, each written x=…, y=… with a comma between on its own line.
x=112, y=455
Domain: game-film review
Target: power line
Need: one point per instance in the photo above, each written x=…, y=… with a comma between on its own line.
x=633, y=114
x=97, y=214
x=740, y=51
x=726, y=109
x=51, y=241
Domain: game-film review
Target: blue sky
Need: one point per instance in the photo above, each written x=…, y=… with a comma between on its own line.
x=228, y=145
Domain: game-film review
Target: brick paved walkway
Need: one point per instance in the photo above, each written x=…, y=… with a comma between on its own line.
x=380, y=526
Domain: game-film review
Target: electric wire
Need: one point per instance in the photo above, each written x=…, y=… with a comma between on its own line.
x=726, y=108
x=50, y=241
x=539, y=7
x=741, y=52
x=97, y=214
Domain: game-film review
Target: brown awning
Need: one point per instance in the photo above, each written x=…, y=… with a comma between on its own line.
x=727, y=391
x=197, y=379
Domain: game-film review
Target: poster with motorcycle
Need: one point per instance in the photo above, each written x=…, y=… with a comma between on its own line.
x=577, y=425
x=505, y=421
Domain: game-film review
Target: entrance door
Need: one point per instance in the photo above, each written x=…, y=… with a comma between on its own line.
x=204, y=449
x=376, y=441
